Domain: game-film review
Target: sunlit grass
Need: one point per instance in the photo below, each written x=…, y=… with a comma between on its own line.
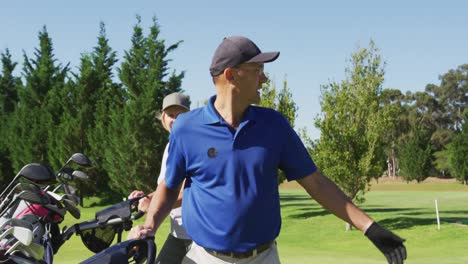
x=311, y=235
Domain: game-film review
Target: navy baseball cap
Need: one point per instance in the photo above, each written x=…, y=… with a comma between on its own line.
x=236, y=50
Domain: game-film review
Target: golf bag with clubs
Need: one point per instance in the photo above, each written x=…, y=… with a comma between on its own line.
x=30, y=215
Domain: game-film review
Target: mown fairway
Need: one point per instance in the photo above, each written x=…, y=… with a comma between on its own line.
x=312, y=235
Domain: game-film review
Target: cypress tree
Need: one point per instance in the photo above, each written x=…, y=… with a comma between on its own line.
x=39, y=108
x=136, y=141
x=458, y=151
x=9, y=86
x=281, y=102
x=416, y=155
x=85, y=94
x=108, y=95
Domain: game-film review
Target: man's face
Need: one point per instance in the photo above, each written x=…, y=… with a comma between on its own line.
x=171, y=114
x=249, y=78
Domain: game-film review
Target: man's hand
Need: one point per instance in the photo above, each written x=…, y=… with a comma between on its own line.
x=144, y=202
x=135, y=194
x=388, y=243
x=139, y=232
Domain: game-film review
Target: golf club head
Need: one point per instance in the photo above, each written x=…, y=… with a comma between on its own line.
x=5, y=222
x=21, y=186
x=33, y=250
x=71, y=208
x=27, y=186
x=37, y=173
x=30, y=218
x=68, y=173
x=80, y=175
x=57, y=197
x=16, y=222
x=65, y=173
x=20, y=260
x=22, y=234
x=73, y=197
x=28, y=197
x=8, y=242
x=32, y=197
x=33, y=172
x=81, y=160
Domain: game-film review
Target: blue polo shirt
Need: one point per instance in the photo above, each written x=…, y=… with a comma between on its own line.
x=231, y=200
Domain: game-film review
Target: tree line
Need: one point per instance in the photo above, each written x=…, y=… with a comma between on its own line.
x=52, y=112
x=368, y=131
x=106, y=110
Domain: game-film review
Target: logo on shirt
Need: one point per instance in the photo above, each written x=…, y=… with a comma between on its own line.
x=212, y=152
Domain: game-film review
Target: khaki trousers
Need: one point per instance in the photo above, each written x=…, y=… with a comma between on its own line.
x=198, y=254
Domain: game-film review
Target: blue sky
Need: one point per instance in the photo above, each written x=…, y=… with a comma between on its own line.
x=419, y=40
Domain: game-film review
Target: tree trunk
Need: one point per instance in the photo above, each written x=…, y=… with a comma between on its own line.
x=392, y=164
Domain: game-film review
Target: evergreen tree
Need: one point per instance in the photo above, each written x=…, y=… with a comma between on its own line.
x=79, y=130
x=39, y=108
x=136, y=141
x=9, y=86
x=416, y=155
x=281, y=102
x=268, y=95
x=286, y=106
x=457, y=152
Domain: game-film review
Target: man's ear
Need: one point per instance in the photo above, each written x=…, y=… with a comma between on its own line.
x=229, y=74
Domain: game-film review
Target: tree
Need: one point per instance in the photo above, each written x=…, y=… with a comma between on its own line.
x=452, y=95
x=281, y=102
x=350, y=149
x=395, y=104
x=39, y=109
x=457, y=152
x=78, y=126
x=9, y=85
x=446, y=104
x=416, y=155
x=136, y=141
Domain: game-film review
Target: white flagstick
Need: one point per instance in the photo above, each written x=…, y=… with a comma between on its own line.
x=437, y=214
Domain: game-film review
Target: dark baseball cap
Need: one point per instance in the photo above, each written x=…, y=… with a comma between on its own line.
x=174, y=99
x=236, y=50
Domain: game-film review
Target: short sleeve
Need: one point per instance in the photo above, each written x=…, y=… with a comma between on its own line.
x=175, y=165
x=295, y=160
x=162, y=172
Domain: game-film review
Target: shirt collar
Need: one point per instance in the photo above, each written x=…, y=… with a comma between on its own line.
x=211, y=116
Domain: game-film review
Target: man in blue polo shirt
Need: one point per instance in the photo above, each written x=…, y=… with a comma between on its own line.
x=229, y=152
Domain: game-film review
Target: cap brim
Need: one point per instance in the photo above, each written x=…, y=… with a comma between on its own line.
x=265, y=57
x=181, y=105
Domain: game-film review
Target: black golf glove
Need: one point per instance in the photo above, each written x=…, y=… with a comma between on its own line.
x=388, y=243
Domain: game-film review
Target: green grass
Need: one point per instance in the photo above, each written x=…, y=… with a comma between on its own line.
x=73, y=251
x=311, y=235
